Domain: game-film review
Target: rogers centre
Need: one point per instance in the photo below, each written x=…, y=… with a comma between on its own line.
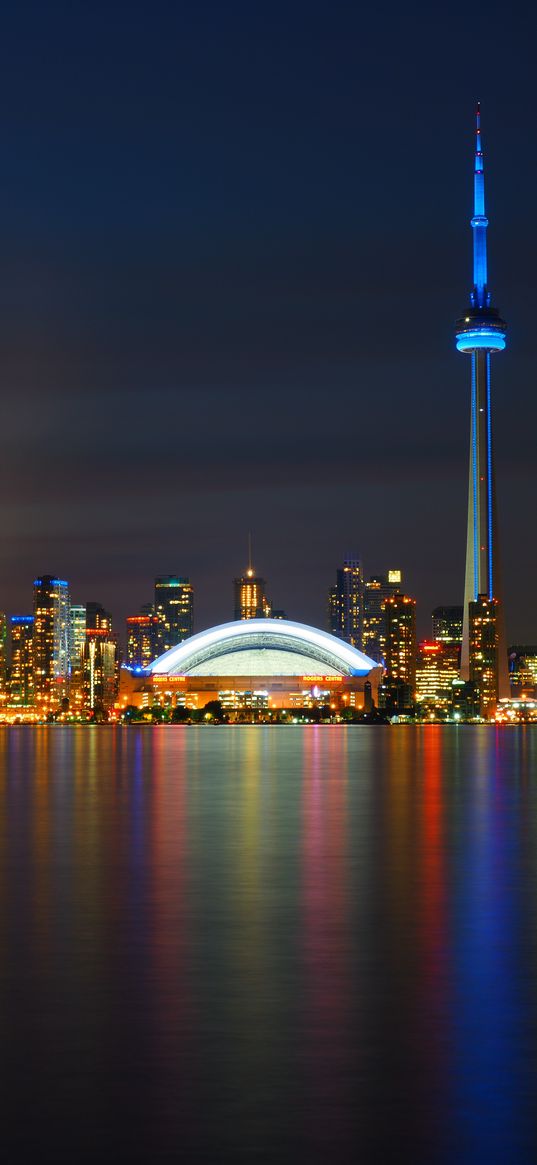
x=270, y=663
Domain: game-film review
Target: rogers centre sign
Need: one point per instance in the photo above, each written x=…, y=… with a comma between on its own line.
x=322, y=679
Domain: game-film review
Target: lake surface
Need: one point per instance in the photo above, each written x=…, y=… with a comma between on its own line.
x=268, y=944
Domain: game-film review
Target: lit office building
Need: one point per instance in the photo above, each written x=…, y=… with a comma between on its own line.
x=97, y=618
x=77, y=638
x=437, y=667
x=3, y=651
x=142, y=639
x=250, y=599
x=447, y=625
x=346, y=603
x=523, y=670
x=100, y=672
x=484, y=651
x=379, y=588
x=464, y=700
x=21, y=682
x=51, y=638
x=400, y=656
x=174, y=608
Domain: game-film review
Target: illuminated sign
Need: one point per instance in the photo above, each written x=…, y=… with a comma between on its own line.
x=325, y=679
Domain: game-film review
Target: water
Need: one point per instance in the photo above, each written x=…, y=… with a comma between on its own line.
x=268, y=944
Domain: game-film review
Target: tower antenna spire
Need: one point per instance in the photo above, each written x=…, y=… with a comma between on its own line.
x=480, y=296
x=250, y=567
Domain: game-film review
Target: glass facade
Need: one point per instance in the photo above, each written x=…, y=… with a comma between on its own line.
x=523, y=670
x=379, y=588
x=99, y=670
x=142, y=639
x=436, y=668
x=21, y=683
x=174, y=609
x=3, y=652
x=51, y=644
x=346, y=603
x=484, y=645
x=447, y=625
x=77, y=638
x=250, y=598
x=400, y=660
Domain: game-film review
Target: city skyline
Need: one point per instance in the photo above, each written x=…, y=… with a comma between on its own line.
x=247, y=290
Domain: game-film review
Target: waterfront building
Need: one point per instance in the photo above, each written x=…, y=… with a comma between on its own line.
x=465, y=703
x=250, y=596
x=447, y=625
x=77, y=638
x=100, y=669
x=3, y=652
x=272, y=664
x=437, y=666
x=143, y=632
x=346, y=603
x=480, y=333
x=376, y=591
x=523, y=670
x=517, y=711
x=400, y=654
x=484, y=648
x=174, y=609
x=21, y=681
x=51, y=639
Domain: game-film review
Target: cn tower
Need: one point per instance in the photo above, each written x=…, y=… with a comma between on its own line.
x=481, y=332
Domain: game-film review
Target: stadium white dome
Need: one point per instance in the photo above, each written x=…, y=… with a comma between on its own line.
x=262, y=647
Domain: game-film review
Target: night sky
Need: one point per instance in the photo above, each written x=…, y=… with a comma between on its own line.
x=235, y=239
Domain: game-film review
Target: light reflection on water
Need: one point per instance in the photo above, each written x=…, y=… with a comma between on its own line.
x=263, y=943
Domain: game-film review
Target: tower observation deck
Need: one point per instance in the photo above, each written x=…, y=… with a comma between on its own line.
x=480, y=332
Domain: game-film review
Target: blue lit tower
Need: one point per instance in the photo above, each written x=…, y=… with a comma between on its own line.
x=480, y=332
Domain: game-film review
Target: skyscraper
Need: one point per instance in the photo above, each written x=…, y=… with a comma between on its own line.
x=376, y=591
x=481, y=332
x=142, y=639
x=250, y=598
x=484, y=648
x=3, y=651
x=346, y=603
x=77, y=638
x=97, y=618
x=447, y=625
x=401, y=640
x=174, y=608
x=51, y=637
x=100, y=671
x=436, y=668
x=21, y=683
x=523, y=670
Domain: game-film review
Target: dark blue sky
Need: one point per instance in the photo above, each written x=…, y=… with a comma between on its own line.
x=235, y=238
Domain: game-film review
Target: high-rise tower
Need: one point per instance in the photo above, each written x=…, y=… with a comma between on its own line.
x=346, y=603
x=51, y=638
x=480, y=332
x=174, y=608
